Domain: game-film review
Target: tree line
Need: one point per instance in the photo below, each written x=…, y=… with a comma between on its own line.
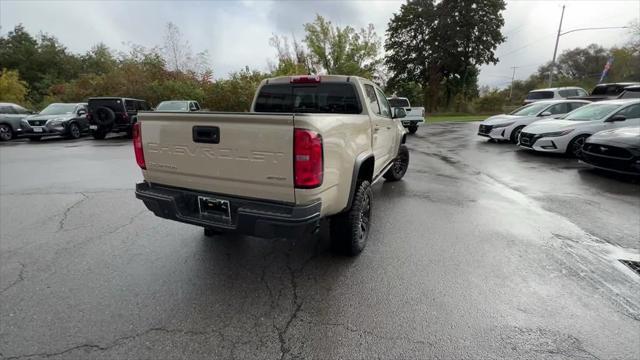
x=432, y=54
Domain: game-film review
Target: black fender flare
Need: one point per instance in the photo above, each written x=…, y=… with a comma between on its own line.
x=360, y=159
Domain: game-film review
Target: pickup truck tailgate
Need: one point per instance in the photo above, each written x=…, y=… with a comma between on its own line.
x=243, y=154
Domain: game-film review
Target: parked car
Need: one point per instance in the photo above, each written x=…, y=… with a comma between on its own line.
x=554, y=93
x=568, y=134
x=508, y=127
x=309, y=149
x=415, y=115
x=11, y=116
x=606, y=91
x=178, y=106
x=630, y=92
x=615, y=150
x=114, y=114
x=65, y=119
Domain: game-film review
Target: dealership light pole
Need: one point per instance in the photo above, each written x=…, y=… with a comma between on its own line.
x=560, y=33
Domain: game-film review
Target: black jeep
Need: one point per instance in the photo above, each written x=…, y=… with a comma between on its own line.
x=114, y=114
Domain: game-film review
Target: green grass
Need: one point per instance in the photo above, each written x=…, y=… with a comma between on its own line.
x=454, y=117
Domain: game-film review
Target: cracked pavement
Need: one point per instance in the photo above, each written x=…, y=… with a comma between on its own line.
x=483, y=251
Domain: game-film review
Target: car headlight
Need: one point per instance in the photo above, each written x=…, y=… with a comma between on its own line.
x=503, y=125
x=556, y=133
x=55, y=122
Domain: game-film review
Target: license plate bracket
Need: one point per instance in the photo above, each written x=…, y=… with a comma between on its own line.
x=37, y=129
x=211, y=206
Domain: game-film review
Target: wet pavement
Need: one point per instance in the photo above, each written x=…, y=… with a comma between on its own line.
x=483, y=251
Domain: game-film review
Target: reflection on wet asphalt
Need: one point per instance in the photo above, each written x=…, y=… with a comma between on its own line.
x=482, y=251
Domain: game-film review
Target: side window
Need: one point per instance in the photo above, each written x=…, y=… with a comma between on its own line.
x=196, y=106
x=371, y=99
x=630, y=112
x=582, y=92
x=192, y=106
x=385, y=108
x=565, y=93
x=20, y=110
x=7, y=110
x=130, y=105
x=558, y=109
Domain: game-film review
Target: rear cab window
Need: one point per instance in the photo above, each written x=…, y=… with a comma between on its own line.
x=397, y=102
x=328, y=98
x=538, y=95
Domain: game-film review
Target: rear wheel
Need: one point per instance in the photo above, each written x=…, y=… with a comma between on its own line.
x=400, y=165
x=350, y=229
x=575, y=146
x=6, y=133
x=210, y=232
x=412, y=129
x=515, y=134
x=99, y=134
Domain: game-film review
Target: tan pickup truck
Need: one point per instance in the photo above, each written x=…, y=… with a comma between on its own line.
x=309, y=149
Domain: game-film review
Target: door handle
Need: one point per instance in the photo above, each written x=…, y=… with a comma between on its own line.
x=376, y=129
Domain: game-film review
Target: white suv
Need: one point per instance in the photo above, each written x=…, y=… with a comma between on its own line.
x=554, y=93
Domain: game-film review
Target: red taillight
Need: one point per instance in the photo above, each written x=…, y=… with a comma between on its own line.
x=305, y=79
x=137, y=145
x=307, y=157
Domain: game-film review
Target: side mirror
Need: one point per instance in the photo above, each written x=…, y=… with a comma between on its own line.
x=399, y=113
x=546, y=113
x=82, y=112
x=616, y=117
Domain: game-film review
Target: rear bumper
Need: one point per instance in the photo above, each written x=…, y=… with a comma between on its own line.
x=250, y=217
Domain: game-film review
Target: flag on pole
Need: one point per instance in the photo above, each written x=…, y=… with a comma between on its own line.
x=607, y=66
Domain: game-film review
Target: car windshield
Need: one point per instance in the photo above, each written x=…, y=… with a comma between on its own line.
x=173, y=106
x=631, y=94
x=538, y=95
x=529, y=110
x=591, y=112
x=397, y=102
x=58, y=109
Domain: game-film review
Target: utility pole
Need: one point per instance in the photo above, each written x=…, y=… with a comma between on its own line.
x=513, y=77
x=555, y=50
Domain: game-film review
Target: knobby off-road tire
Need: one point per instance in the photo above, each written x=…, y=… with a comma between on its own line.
x=211, y=232
x=400, y=165
x=350, y=229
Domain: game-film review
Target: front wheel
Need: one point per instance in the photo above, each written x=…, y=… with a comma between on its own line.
x=350, y=229
x=74, y=131
x=515, y=134
x=412, y=129
x=6, y=133
x=400, y=165
x=575, y=146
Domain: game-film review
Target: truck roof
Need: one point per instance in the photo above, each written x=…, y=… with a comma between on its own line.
x=312, y=79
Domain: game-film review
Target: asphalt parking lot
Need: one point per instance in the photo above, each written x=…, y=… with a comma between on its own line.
x=482, y=251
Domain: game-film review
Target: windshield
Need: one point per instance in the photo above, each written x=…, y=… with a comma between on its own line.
x=631, y=94
x=397, y=102
x=529, y=110
x=173, y=106
x=58, y=109
x=335, y=98
x=591, y=112
x=538, y=95
x=607, y=90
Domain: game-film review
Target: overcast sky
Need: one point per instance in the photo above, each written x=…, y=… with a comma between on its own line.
x=236, y=33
